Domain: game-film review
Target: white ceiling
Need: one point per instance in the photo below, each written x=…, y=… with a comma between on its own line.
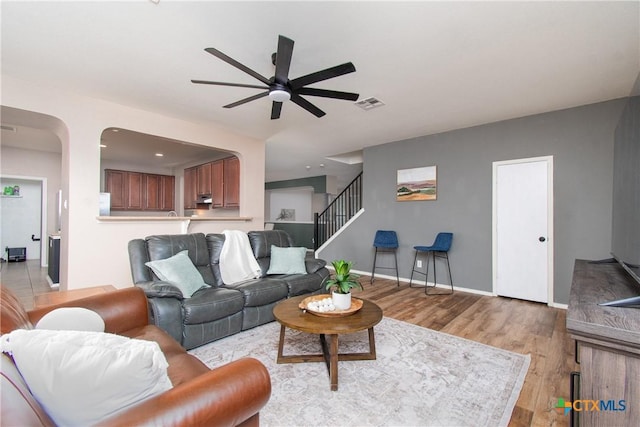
x=436, y=65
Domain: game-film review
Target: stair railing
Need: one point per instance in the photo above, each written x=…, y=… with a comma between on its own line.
x=340, y=210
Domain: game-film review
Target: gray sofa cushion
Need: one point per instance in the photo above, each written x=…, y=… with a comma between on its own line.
x=261, y=242
x=263, y=291
x=300, y=284
x=166, y=246
x=211, y=304
x=214, y=245
x=314, y=264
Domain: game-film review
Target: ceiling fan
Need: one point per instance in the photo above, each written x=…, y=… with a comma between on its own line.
x=279, y=88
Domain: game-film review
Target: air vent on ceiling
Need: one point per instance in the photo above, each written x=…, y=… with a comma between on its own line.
x=369, y=103
x=8, y=128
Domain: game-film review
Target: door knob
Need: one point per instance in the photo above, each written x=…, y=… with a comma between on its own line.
x=542, y=238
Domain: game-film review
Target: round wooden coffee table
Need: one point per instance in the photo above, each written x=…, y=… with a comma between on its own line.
x=289, y=315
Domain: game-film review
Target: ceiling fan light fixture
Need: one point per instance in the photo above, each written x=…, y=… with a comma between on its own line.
x=280, y=88
x=279, y=95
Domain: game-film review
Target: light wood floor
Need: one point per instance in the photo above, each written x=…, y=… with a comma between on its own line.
x=514, y=325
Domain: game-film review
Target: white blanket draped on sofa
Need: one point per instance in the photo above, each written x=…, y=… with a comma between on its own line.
x=237, y=262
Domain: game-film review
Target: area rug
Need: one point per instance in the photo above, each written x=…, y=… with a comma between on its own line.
x=420, y=378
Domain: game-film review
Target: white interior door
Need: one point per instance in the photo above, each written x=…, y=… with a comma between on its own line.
x=522, y=218
x=21, y=217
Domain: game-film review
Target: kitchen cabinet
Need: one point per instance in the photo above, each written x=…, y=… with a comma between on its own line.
x=125, y=188
x=151, y=187
x=204, y=179
x=231, y=182
x=115, y=184
x=190, y=187
x=167, y=193
x=159, y=192
x=134, y=194
x=219, y=179
x=217, y=184
x=136, y=191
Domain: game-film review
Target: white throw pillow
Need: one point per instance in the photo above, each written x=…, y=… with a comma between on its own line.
x=287, y=260
x=71, y=319
x=81, y=378
x=179, y=271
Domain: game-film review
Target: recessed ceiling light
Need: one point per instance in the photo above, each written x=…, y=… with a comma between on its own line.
x=103, y=146
x=115, y=130
x=159, y=154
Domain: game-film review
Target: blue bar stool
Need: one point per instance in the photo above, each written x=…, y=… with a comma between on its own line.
x=385, y=241
x=439, y=248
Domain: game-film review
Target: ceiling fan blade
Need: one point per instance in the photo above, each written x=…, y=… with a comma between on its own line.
x=207, y=82
x=318, y=76
x=283, y=59
x=231, y=61
x=307, y=105
x=349, y=96
x=275, y=110
x=249, y=99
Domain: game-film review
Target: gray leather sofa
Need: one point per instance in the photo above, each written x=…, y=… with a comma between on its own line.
x=220, y=310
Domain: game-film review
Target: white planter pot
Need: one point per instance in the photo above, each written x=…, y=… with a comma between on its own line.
x=341, y=301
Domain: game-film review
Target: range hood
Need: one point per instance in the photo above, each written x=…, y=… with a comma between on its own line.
x=204, y=198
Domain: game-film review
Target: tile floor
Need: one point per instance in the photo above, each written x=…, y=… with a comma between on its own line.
x=25, y=279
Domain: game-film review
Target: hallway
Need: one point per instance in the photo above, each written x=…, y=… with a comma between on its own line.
x=25, y=279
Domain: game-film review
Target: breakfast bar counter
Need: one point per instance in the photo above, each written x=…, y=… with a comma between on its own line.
x=172, y=218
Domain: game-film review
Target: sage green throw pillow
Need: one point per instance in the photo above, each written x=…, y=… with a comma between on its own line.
x=287, y=260
x=180, y=272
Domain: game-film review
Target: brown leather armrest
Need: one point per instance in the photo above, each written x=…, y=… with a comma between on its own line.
x=225, y=396
x=121, y=310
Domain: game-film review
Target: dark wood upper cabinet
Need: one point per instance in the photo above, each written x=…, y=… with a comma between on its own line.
x=217, y=184
x=220, y=179
x=190, y=187
x=136, y=191
x=115, y=185
x=204, y=179
x=151, y=188
x=167, y=193
x=232, y=182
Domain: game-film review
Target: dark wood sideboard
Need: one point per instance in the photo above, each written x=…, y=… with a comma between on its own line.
x=608, y=346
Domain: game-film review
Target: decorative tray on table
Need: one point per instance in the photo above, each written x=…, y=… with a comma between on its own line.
x=356, y=304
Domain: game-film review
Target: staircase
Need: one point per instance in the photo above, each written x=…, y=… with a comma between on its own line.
x=339, y=211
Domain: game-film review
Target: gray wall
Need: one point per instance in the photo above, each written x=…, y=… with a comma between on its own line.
x=625, y=242
x=581, y=142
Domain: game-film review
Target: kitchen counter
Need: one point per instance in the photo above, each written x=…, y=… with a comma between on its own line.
x=171, y=218
x=184, y=221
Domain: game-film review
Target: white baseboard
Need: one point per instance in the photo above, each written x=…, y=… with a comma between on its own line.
x=51, y=284
x=558, y=305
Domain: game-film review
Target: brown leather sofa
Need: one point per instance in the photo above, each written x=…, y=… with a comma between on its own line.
x=230, y=395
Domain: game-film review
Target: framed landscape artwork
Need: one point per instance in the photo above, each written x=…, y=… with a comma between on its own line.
x=417, y=184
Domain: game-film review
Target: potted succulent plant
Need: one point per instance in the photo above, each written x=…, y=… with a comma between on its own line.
x=342, y=283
